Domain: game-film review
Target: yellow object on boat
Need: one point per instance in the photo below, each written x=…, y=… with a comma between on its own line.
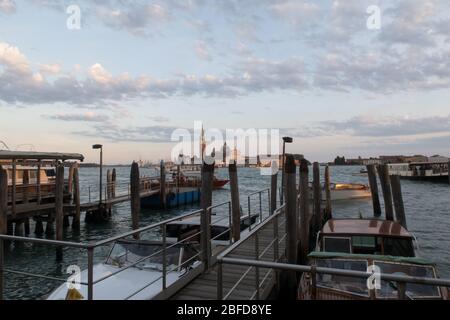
x=74, y=294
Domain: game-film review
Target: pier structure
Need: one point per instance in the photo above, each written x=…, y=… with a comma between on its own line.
x=261, y=262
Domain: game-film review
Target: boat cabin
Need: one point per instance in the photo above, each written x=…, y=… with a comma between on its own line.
x=366, y=236
x=220, y=227
x=339, y=287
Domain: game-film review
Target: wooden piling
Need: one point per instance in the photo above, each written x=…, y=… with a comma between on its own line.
x=3, y=222
x=114, y=179
x=162, y=185
x=25, y=183
x=135, y=197
x=38, y=183
x=70, y=179
x=372, y=176
x=235, y=203
x=398, y=200
x=39, y=226
x=291, y=222
x=317, y=191
x=205, y=219
x=448, y=171
x=327, y=193
x=108, y=183
x=19, y=228
x=59, y=208
x=14, y=186
x=77, y=216
x=273, y=188
x=383, y=172
x=305, y=216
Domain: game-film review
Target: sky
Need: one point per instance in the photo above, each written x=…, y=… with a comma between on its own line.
x=132, y=72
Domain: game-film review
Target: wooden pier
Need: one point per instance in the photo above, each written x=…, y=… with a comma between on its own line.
x=261, y=262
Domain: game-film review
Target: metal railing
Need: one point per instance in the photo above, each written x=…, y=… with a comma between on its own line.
x=262, y=214
x=400, y=280
x=90, y=247
x=263, y=259
x=271, y=251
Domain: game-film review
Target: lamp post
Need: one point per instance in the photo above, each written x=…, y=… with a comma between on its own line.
x=285, y=140
x=99, y=146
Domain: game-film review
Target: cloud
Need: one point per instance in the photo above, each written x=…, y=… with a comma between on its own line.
x=7, y=6
x=159, y=119
x=84, y=117
x=116, y=133
x=371, y=126
x=202, y=51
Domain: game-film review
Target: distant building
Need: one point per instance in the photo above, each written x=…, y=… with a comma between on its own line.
x=392, y=159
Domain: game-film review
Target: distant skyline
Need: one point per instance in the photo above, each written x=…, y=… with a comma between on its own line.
x=137, y=70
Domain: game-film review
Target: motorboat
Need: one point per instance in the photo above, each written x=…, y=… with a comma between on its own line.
x=345, y=191
x=134, y=270
x=357, y=244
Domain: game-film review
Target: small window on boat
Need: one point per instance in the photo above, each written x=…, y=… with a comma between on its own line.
x=389, y=289
x=351, y=285
x=337, y=244
x=365, y=245
x=398, y=247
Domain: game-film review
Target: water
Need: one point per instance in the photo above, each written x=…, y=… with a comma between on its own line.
x=426, y=206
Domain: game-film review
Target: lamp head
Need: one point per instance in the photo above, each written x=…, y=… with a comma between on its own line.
x=97, y=146
x=288, y=139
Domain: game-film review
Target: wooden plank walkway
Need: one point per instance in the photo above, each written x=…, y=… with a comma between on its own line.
x=204, y=287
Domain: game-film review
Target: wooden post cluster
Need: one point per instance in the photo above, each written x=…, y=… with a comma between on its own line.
x=135, y=197
x=291, y=221
x=305, y=216
x=372, y=176
x=205, y=219
x=383, y=172
x=235, y=203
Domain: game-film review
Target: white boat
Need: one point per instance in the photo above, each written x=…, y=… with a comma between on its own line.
x=136, y=266
x=346, y=191
x=436, y=170
x=142, y=281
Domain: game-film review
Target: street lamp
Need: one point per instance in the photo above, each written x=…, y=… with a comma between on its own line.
x=285, y=140
x=95, y=147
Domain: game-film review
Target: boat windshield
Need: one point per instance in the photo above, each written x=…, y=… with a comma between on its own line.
x=352, y=285
x=389, y=289
x=126, y=253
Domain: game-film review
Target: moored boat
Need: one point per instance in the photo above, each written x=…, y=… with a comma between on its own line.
x=346, y=191
x=356, y=245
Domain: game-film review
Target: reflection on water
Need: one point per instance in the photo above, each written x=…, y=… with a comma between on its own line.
x=426, y=206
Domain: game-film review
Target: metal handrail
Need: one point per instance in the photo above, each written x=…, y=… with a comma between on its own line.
x=334, y=271
x=260, y=192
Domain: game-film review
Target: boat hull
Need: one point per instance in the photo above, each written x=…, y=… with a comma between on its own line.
x=185, y=196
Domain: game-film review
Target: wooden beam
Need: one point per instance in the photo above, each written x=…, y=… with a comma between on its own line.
x=162, y=185
x=14, y=185
x=38, y=183
x=372, y=176
x=205, y=219
x=291, y=222
x=305, y=216
x=328, y=193
x=273, y=187
x=59, y=208
x=235, y=201
x=383, y=172
x=77, y=216
x=3, y=222
x=398, y=200
x=135, y=197
x=317, y=190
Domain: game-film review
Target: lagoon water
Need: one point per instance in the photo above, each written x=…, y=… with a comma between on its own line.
x=427, y=208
